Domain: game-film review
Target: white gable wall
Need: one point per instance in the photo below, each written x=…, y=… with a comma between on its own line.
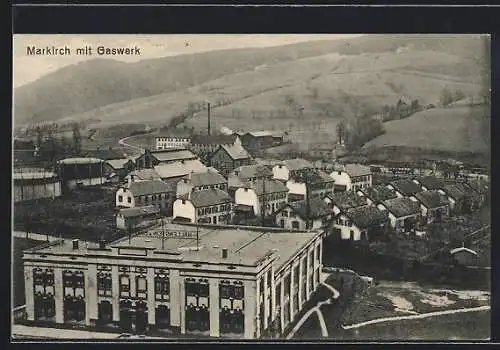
x=185, y=209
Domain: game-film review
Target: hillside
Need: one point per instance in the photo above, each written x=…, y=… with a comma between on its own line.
x=98, y=83
x=456, y=129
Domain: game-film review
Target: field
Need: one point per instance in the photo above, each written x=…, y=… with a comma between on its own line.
x=446, y=129
x=20, y=244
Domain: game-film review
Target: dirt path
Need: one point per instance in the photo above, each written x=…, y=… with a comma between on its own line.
x=414, y=317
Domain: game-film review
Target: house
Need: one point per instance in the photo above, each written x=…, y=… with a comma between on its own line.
x=211, y=206
x=176, y=171
x=404, y=187
x=259, y=140
x=147, y=192
x=287, y=168
x=227, y=158
x=207, y=144
x=142, y=175
x=201, y=181
x=295, y=215
x=119, y=168
x=352, y=177
x=464, y=256
x=150, y=159
x=172, y=139
x=252, y=172
x=429, y=183
x=253, y=195
x=360, y=223
x=343, y=201
x=434, y=205
x=316, y=182
x=376, y=194
x=404, y=213
x=137, y=217
x=462, y=199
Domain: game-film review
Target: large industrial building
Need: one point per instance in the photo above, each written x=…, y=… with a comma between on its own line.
x=84, y=171
x=30, y=185
x=206, y=280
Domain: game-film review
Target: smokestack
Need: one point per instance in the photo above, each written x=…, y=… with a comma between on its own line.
x=75, y=244
x=208, y=118
x=224, y=253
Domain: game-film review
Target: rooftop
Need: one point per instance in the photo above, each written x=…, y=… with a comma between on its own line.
x=297, y=164
x=207, y=178
x=140, y=188
x=33, y=175
x=206, y=198
x=213, y=139
x=462, y=249
x=80, y=160
x=406, y=187
x=261, y=133
x=138, y=211
x=146, y=174
x=402, y=206
x=250, y=171
x=355, y=170
x=266, y=186
x=317, y=208
x=245, y=245
x=118, y=163
x=379, y=193
x=180, y=168
x=346, y=200
x=432, y=199
x=458, y=191
x=236, y=151
x=364, y=217
x=314, y=177
x=430, y=182
x=166, y=155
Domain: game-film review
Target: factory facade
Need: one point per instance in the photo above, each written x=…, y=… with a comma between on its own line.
x=235, y=282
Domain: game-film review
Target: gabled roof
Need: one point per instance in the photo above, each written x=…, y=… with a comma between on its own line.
x=479, y=187
x=250, y=171
x=355, y=170
x=138, y=211
x=180, y=168
x=235, y=151
x=147, y=187
x=145, y=174
x=406, y=187
x=260, y=133
x=234, y=182
x=402, y=206
x=430, y=182
x=314, y=177
x=297, y=164
x=213, y=139
x=317, y=208
x=459, y=191
x=462, y=249
x=379, y=193
x=431, y=199
x=266, y=186
x=118, y=163
x=206, y=198
x=367, y=216
x=346, y=200
x=207, y=178
x=166, y=155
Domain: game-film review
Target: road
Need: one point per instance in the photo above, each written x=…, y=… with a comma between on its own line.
x=123, y=142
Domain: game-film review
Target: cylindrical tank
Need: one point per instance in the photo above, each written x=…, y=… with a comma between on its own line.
x=32, y=184
x=76, y=172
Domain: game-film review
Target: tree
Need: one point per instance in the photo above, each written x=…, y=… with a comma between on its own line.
x=77, y=139
x=446, y=96
x=459, y=95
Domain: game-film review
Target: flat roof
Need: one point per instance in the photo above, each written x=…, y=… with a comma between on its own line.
x=245, y=245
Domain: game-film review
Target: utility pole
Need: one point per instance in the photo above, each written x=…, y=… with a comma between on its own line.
x=208, y=126
x=263, y=209
x=308, y=203
x=162, y=235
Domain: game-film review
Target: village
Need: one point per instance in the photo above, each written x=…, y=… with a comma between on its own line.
x=427, y=221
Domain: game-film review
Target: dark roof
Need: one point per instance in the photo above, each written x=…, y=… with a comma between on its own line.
x=140, y=188
x=205, y=198
x=379, y=193
x=213, y=139
x=317, y=208
x=179, y=133
x=346, y=200
x=267, y=186
x=165, y=155
x=458, y=191
x=250, y=171
x=430, y=182
x=402, y=206
x=236, y=151
x=367, y=216
x=297, y=164
x=180, y=219
x=431, y=199
x=104, y=154
x=314, y=177
x=138, y=211
x=206, y=179
x=479, y=187
x=355, y=170
x=406, y=187
x=118, y=163
x=145, y=174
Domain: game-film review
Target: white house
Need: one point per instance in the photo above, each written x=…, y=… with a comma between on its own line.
x=404, y=213
x=253, y=195
x=211, y=206
x=251, y=172
x=361, y=223
x=318, y=183
x=352, y=177
x=210, y=179
x=285, y=169
x=172, y=139
x=142, y=193
x=134, y=217
x=295, y=215
x=434, y=205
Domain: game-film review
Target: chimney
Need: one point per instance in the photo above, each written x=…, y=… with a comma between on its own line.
x=224, y=253
x=102, y=244
x=75, y=244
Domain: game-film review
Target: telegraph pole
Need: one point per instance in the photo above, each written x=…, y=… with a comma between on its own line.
x=208, y=126
x=308, y=203
x=263, y=210
x=162, y=235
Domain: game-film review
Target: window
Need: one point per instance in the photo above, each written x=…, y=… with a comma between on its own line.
x=73, y=283
x=284, y=213
x=129, y=199
x=120, y=199
x=141, y=287
x=162, y=288
x=183, y=201
x=74, y=309
x=44, y=307
x=124, y=286
x=104, y=312
x=295, y=225
x=162, y=316
x=104, y=284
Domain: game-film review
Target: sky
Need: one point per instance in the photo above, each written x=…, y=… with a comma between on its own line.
x=29, y=68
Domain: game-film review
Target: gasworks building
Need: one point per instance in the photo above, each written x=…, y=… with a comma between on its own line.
x=235, y=282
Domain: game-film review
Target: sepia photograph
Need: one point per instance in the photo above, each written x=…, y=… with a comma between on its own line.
x=260, y=187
